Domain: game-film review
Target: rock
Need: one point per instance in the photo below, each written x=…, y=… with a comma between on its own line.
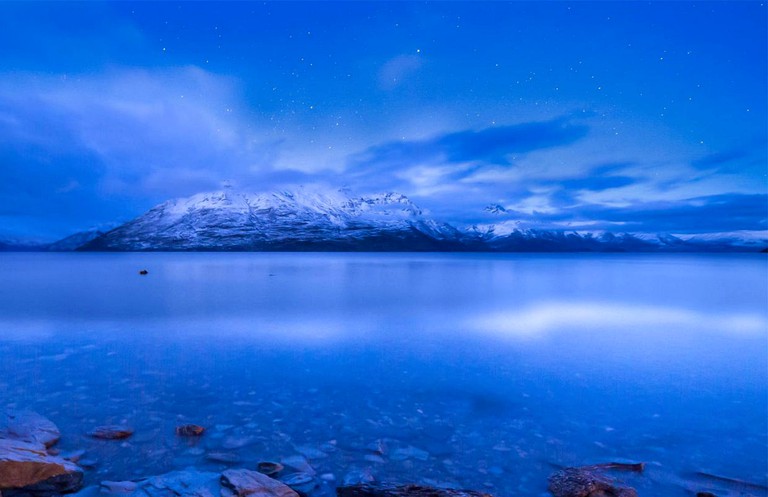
x=409, y=452
x=357, y=476
x=111, y=432
x=378, y=447
x=73, y=456
x=185, y=483
x=238, y=442
x=245, y=482
x=388, y=490
x=118, y=487
x=269, y=468
x=299, y=463
x=28, y=426
x=189, y=430
x=28, y=468
x=375, y=458
x=225, y=457
x=585, y=482
x=297, y=479
x=310, y=452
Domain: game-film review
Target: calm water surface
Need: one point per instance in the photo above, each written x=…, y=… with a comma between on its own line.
x=479, y=371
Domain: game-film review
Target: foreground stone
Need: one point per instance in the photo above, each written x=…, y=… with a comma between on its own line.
x=245, y=482
x=28, y=426
x=586, y=482
x=27, y=469
x=193, y=483
x=389, y=490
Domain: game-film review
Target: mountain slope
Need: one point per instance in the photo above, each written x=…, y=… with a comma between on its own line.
x=297, y=220
x=324, y=220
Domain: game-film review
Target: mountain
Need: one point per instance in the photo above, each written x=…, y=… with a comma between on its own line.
x=312, y=219
x=509, y=237
x=21, y=245
x=73, y=242
x=304, y=219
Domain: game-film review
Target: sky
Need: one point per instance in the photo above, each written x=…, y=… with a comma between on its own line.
x=619, y=116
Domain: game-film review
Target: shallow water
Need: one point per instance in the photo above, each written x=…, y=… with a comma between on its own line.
x=471, y=370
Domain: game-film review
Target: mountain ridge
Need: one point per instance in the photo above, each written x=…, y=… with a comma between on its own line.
x=316, y=219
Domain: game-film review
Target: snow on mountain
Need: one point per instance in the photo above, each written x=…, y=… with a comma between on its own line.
x=302, y=219
x=495, y=209
x=321, y=220
x=72, y=242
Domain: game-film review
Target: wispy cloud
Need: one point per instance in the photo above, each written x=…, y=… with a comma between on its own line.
x=714, y=213
x=488, y=146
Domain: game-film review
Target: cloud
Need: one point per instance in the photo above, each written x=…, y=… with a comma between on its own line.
x=707, y=214
x=596, y=183
x=160, y=132
x=72, y=145
x=718, y=159
x=459, y=154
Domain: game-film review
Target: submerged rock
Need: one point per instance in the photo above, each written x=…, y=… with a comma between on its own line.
x=189, y=430
x=28, y=426
x=269, y=468
x=118, y=487
x=299, y=463
x=359, y=475
x=297, y=479
x=225, y=457
x=27, y=469
x=245, y=482
x=586, y=482
x=391, y=490
x=193, y=483
x=409, y=452
x=111, y=432
x=187, y=483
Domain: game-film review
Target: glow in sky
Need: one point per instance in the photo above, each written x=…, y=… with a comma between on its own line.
x=627, y=116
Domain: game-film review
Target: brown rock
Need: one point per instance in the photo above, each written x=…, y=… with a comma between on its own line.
x=27, y=466
x=189, y=430
x=111, y=432
x=269, y=468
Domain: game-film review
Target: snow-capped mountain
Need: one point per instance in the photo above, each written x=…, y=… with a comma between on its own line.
x=73, y=242
x=314, y=219
x=303, y=219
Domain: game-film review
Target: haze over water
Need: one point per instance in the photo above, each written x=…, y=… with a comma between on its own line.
x=482, y=371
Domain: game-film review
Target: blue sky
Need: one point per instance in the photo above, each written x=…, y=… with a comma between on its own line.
x=625, y=116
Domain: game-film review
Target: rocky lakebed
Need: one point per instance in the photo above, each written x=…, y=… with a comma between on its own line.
x=31, y=465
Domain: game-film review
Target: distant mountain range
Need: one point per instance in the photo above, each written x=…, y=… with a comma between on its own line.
x=321, y=220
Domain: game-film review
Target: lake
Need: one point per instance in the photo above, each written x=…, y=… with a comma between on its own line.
x=482, y=371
